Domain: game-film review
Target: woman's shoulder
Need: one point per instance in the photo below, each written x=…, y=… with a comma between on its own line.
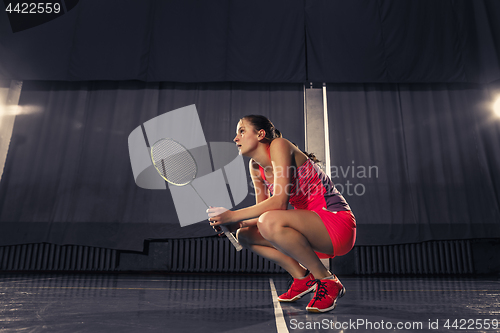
x=283, y=146
x=280, y=143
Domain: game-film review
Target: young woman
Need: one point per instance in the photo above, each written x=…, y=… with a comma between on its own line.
x=321, y=225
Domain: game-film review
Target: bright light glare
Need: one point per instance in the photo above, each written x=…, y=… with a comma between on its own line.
x=496, y=107
x=16, y=110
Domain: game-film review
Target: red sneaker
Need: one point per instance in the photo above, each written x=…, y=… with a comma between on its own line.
x=327, y=293
x=299, y=288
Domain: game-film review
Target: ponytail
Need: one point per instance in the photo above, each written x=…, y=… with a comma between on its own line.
x=312, y=157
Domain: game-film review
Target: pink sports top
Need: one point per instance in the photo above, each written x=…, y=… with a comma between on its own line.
x=311, y=189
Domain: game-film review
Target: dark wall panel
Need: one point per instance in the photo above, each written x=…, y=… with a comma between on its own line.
x=260, y=41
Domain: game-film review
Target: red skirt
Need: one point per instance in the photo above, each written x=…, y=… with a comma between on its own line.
x=341, y=227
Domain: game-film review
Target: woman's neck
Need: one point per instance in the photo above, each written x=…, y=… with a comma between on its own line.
x=261, y=155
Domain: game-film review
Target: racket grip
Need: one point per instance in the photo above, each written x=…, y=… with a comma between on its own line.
x=231, y=237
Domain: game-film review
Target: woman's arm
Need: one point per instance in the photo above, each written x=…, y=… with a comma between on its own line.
x=249, y=223
x=260, y=188
x=261, y=193
x=281, y=159
x=232, y=227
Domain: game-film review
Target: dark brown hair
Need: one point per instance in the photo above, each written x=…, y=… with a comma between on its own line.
x=263, y=123
x=260, y=122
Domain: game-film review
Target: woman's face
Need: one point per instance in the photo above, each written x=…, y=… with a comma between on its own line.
x=247, y=138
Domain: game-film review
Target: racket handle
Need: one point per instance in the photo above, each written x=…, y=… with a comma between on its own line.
x=231, y=237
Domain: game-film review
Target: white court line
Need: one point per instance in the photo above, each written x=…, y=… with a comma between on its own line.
x=278, y=312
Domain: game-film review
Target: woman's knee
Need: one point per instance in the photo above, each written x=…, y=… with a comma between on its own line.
x=268, y=223
x=247, y=236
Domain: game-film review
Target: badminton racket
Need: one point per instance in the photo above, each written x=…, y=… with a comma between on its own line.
x=177, y=166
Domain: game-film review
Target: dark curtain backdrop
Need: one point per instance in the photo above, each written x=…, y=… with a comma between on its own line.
x=259, y=41
x=403, y=41
x=433, y=152
x=68, y=177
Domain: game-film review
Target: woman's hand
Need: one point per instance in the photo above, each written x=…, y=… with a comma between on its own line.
x=219, y=215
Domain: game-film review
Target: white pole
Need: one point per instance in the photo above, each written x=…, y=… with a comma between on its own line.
x=9, y=100
x=327, y=135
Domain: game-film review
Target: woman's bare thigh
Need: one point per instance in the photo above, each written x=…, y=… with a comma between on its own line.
x=307, y=222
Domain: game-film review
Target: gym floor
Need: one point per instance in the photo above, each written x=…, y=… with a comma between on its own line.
x=241, y=303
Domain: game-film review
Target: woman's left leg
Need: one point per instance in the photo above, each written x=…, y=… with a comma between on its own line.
x=298, y=233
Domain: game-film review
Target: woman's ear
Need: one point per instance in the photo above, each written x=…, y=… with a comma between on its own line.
x=261, y=134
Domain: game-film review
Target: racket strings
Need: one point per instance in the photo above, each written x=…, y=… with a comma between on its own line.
x=173, y=162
